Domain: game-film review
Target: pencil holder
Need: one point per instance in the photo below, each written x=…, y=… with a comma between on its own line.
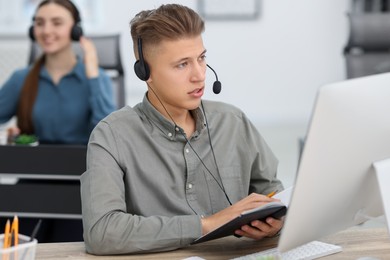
x=25, y=250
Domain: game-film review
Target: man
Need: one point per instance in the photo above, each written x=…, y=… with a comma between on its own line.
x=173, y=168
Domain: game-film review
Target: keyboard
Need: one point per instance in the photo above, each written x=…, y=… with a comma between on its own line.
x=312, y=250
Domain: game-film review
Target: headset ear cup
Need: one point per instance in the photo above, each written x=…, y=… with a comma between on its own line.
x=31, y=33
x=142, y=70
x=76, y=32
x=75, y=35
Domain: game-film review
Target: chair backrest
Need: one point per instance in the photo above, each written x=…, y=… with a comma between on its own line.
x=108, y=50
x=368, y=49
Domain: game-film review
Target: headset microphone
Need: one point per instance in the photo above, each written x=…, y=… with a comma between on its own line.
x=217, y=84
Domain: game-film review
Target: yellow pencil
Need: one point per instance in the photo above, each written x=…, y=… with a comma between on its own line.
x=271, y=194
x=15, y=230
x=6, y=234
x=7, y=239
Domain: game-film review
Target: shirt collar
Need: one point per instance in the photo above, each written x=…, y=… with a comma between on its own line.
x=78, y=71
x=169, y=129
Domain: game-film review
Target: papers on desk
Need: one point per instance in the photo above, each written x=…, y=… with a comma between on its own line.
x=284, y=196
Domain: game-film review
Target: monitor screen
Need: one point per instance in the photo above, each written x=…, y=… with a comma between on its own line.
x=336, y=186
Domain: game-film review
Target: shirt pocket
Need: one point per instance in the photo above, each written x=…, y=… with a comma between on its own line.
x=233, y=183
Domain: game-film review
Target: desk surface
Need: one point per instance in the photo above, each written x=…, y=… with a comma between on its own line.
x=356, y=242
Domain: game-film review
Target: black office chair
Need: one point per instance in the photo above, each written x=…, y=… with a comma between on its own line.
x=108, y=49
x=368, y=49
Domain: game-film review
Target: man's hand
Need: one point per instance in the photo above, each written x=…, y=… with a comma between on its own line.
x=259, y=229
x=256, y=230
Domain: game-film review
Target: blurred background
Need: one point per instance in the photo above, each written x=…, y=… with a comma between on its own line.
x=270, y=55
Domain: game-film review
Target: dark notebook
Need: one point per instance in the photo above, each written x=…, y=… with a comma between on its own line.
x=273, y=209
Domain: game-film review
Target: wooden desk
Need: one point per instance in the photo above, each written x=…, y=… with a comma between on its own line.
x=356, y=242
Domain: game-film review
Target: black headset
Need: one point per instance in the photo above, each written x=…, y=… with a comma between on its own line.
x=75, y=33
x=141, y=68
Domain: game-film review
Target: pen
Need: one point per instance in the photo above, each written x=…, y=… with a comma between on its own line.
x=36, y=229
x=271, y=194
x=33, y=234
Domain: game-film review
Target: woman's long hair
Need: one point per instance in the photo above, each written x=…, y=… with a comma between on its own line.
x=27, y=98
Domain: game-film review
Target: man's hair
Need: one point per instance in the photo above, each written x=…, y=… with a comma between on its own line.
x=168, y=22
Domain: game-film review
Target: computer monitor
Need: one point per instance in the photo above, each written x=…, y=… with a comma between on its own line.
x=336, y=185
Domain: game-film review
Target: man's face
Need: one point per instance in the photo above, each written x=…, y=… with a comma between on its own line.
x=178, y=69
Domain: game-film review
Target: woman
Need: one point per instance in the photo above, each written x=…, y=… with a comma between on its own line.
x=60, y=98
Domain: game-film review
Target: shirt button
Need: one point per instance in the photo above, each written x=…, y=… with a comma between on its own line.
x=170, y=134
x=190, y=185
x=187, y=151
x=177, y=129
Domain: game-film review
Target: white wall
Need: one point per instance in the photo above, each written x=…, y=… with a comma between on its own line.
x=271, y=67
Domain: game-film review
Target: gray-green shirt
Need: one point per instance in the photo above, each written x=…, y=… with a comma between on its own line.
x=145, y=189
